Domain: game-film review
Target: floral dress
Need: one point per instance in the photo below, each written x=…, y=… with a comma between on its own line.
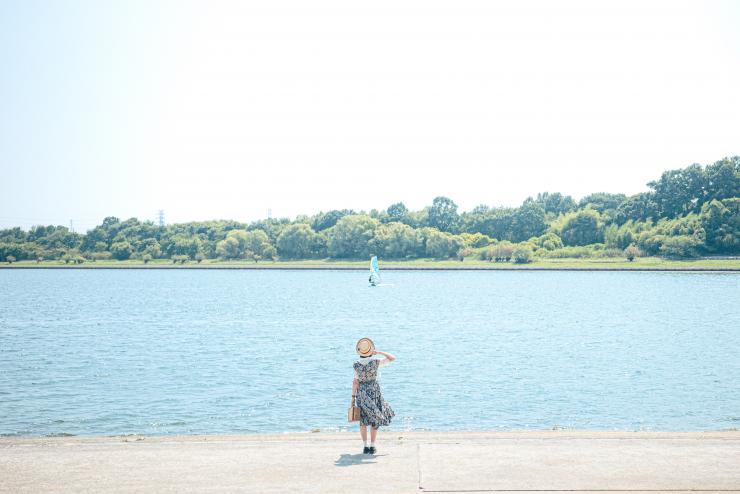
x=374, y=410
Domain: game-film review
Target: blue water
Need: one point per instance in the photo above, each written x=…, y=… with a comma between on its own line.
x=92, y=352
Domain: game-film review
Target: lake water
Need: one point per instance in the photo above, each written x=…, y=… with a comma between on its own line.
x=98, y=352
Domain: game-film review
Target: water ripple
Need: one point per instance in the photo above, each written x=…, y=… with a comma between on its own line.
x=192, y=352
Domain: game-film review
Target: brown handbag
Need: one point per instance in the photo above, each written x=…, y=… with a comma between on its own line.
x=353, y=414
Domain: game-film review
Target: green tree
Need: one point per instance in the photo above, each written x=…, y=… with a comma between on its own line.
x=270, y=253
x=582, y=228
x=679, y=192
x=417, y=219
x=351, y=236
x=146, y=258
x=242, y=244
x=229, y=248
x=10, y=259
x=397, y=212
x=618, y=237
x=650, y=241
x=493, y=222
x=475, y=240
x=723, y=179
x=256, y=241
x=442, y=245
x=153, y=250
x=121, y=250
x=522, y=254
x=549, y=241
x=395, y=240
x=102, y=234
x=602, y=201
x=555, y=203
x=528, y=221
x=638, y=207
x=182, y=245
x=271, y=226
x=149, y=245
x=681, y=246
x=297, y=242
x=443, y=214
x=721, y=222
x=13, y=235
x=323, y=221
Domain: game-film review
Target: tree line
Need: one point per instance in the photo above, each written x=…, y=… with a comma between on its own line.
x=686, y=213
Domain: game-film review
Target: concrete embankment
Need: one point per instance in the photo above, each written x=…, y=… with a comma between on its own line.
x=406, y=462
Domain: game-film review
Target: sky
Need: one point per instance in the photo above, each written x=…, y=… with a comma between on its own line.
x=223, y=110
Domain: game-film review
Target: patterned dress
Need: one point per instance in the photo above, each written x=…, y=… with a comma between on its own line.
x=374, y=410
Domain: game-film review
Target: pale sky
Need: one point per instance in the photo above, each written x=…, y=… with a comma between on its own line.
x=221, y=110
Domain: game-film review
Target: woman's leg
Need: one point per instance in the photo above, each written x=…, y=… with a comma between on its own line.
x=373, y=434
x=363, y=433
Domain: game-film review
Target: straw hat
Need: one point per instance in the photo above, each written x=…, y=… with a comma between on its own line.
x=365, y=347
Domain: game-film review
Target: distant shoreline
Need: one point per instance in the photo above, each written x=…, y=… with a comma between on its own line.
x=705, y=265
x=349, y=268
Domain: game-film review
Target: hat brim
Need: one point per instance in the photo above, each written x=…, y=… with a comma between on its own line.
x=369, y=351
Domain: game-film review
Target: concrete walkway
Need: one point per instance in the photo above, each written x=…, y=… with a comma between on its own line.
x=406, y=463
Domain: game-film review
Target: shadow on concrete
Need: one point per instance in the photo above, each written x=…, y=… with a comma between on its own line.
x=347, y=460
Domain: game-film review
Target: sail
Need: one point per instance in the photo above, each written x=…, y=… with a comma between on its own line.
x=374, y=271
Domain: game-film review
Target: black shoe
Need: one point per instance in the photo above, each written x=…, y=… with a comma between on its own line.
x=366, y=451
x=371, y=450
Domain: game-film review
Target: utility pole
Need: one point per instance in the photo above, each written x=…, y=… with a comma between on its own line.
x=160, y=214
x=71, y=226
x=269, y=213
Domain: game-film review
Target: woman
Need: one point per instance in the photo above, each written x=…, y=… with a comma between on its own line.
x=374, y=410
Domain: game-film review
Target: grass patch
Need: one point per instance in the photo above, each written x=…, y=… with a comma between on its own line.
x=643, y=263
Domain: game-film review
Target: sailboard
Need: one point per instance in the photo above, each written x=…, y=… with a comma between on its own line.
x=375, y=273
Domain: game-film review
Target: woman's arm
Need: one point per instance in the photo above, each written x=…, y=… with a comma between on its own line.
x=354, y=387
x=390, y=357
